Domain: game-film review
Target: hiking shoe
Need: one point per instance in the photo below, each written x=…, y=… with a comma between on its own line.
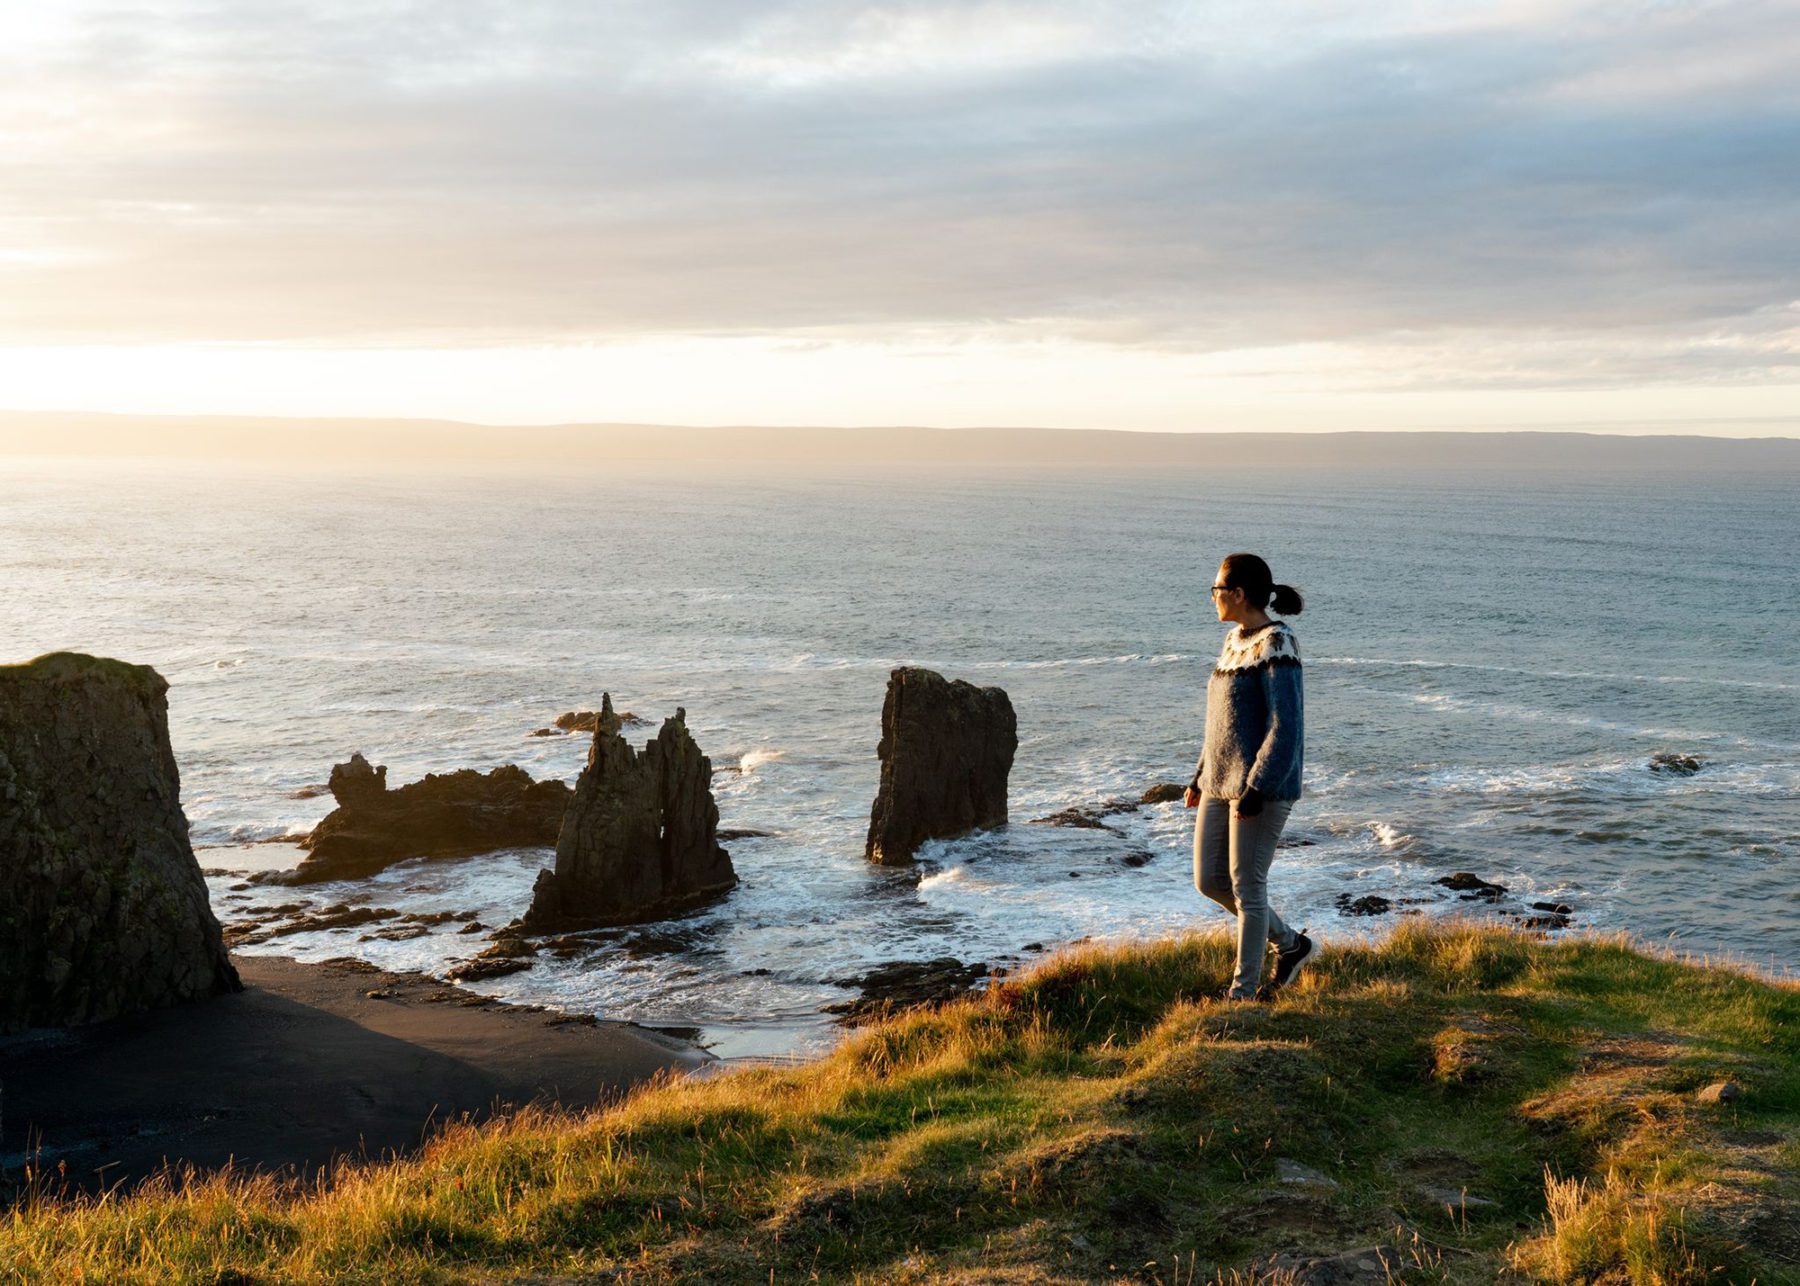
x=1289, y=960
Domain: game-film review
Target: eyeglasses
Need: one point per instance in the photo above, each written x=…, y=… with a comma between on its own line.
x=1222, y=589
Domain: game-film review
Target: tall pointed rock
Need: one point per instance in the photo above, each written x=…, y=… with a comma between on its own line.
x=640, y=838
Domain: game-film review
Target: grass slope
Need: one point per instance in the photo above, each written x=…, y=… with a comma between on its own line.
x=1099, y=1118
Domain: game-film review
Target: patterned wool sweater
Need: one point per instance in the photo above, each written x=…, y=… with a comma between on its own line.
x=1254, y=724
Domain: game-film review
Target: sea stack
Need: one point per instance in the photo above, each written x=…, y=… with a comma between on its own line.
x=640, y=839
x=103, y=910
x=946, y=750
x=455, y=814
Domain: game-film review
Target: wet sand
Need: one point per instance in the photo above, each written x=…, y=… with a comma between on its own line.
x=310, y=1062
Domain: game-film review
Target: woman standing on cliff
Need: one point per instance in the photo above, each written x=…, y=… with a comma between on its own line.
x=1249, y=772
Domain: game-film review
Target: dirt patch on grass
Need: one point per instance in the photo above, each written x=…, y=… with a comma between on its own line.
x=1439, y=1167
x=1612, y=1051
x=1286, y=1219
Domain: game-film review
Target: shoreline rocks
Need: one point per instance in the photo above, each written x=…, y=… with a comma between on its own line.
x=586, y=721
x=905, y=984
x=946, y=751
x=589, y=720
x=1092, y=816
x=1472, y=887
x=103, y=910
x=455, y=814
x=640, y=839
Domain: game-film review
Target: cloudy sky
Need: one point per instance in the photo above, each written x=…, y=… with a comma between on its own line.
x=1310, y=214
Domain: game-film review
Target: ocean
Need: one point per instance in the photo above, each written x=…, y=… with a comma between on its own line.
x=1491, y=663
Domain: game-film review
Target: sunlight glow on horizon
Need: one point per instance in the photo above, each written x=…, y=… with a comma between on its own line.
x=1324, y=215
x=725, y=382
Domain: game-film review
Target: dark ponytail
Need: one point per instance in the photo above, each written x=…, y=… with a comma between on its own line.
x=1252, y=575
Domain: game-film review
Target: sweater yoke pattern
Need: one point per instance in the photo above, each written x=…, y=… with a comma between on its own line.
x=1273, y=644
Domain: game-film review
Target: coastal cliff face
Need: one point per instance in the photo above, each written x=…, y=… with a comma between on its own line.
x=454, y=814
x=103, y=910
x=946, y=751
x=640, y=839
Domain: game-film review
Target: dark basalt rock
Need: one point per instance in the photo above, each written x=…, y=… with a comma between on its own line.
x=1087, y=816
x=507, y=954
x=946, y=750
x=478, y=970
x=640, y=841
x=589, y=720
x=1091, y=816
x=904, y=984
x=1369, y=904
x=355, y=783
x=103, y=910
x=1472, y=887
x=454, y=814
x=1665, y=761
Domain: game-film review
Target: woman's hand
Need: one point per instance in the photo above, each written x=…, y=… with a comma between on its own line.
x=1191, y=797
x=1250, y=803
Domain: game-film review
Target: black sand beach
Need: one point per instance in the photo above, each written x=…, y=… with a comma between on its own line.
x=308, y=1063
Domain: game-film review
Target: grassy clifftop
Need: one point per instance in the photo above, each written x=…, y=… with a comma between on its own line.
x=1461, y=1103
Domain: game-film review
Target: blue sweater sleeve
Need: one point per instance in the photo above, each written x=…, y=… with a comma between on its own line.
x=1278, y=758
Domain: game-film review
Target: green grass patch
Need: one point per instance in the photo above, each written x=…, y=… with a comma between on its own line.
x=1472, y=1103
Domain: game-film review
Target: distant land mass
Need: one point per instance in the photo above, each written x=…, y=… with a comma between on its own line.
x=453, y=445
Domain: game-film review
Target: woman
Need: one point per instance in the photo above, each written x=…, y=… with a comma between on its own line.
x=1249, y=772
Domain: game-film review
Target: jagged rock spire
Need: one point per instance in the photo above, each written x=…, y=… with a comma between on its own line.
x=640, y=839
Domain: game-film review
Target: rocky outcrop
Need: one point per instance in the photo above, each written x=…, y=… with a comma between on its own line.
x=1472, y=887
x=453, y=814
x=946, y=749
x=640, y=840
x=103, y=910
x=1092, y=816
x=589, y=720
x=906, y=984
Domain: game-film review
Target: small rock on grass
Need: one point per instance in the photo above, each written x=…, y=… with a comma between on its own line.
x=1456, y=1200
x=1720, y=1092
x=1290, y=1171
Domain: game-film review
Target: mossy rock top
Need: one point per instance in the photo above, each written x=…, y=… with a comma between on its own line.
x=70, y=667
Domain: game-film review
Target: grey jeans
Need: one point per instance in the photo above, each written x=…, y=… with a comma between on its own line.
x=1232, y=856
